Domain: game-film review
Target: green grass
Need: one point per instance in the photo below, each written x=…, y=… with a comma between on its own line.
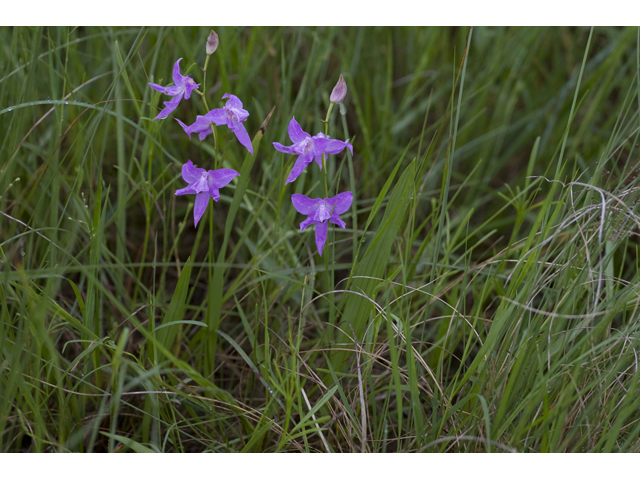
x=483, y=297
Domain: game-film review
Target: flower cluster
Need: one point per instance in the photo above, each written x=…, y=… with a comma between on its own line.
x=205, y=183
x=320, y=211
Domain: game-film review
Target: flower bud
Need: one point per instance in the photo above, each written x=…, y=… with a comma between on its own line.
x=339, y=91
x=212, y=43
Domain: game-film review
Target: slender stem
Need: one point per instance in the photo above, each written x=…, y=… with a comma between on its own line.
x=329, y=264
x=324, y=157
x=204, y=99
x=204, y=82
x=212, y=336
x=352, y=184
x=326, y=120
x=215, y=146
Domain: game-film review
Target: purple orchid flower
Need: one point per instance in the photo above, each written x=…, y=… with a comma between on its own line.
x=319, y=211
x=204, y=184
x=308, y=148
x=232, y=114
x=183, y=86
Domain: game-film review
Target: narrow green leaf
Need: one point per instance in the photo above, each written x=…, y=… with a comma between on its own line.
x=374, y=263
x=132, y=444
x=181, y=322
x=325, y=398
x=177, y=307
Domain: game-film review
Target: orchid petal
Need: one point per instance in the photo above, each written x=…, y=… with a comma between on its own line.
x=231, y=124
x=200, y=123
x=217, y=116
x=282, y=148
x=342, y=202
x=157, y=87
x=320, y=144
x=202, y=126
x=336, y=146
x=321, y=235
x=190, y=173
x=184, y=127
x=299, y=166
x=306, y=223
x=202, y=200
x=241, y=113
x=243, y=136
x=177, y=78
x=186, y=190
x=214, y=192
x=170, y=106
x=303, y=204
x=295, y=132
x=335, y=219
x=189, y=87
x=221, y=178
x=173, y=91
x=233, y=102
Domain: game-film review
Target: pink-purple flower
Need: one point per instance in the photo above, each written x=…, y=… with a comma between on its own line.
x=321, y=211
x=339, y=91
x=182, y=88
x=232, y=114
x=212, y=43
x=204, y=184
x=308, y=148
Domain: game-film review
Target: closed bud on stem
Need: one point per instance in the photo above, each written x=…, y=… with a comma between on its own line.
x=339, y=91
x=212, y=42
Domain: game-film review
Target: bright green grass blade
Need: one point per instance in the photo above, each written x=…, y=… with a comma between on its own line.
x=132, y=444
x=173, y=318
x=357, y=309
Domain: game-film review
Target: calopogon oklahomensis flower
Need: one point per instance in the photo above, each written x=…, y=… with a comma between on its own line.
x=232, y=114
x=321, y=211
x=182, y=87
x=308, y=148
x=204, y=184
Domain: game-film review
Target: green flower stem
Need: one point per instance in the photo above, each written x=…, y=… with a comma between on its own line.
x=324, y=156
x=215, y=167
x=215, y=146
x=204, y=99
x=204, y=82
x=352, y=186
x=330, y=231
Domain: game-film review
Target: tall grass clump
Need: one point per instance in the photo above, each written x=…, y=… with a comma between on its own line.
x=483, y=295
